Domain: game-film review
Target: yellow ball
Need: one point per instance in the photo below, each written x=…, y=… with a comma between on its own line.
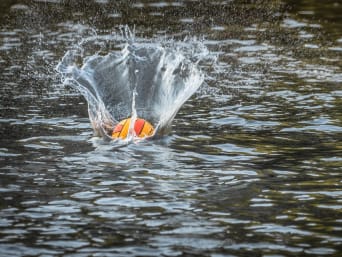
x=142, y=128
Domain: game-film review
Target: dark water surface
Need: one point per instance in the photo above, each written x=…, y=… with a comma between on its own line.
x=252, y=166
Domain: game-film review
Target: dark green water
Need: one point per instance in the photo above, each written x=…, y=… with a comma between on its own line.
x=252, y=166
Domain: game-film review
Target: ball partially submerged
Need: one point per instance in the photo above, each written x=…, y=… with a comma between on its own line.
x=142, y=128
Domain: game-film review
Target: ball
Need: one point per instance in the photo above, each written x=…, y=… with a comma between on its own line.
x=142, y=128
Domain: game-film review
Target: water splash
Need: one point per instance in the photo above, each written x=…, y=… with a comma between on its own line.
x=150, y=80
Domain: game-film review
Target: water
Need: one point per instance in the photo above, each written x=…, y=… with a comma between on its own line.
x=251, y=165
x=147, y=80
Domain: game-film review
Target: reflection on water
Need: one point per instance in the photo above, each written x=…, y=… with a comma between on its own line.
x=252, y=164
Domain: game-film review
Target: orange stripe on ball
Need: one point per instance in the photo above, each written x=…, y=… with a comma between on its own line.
x=138, y=126
x=118, y=128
